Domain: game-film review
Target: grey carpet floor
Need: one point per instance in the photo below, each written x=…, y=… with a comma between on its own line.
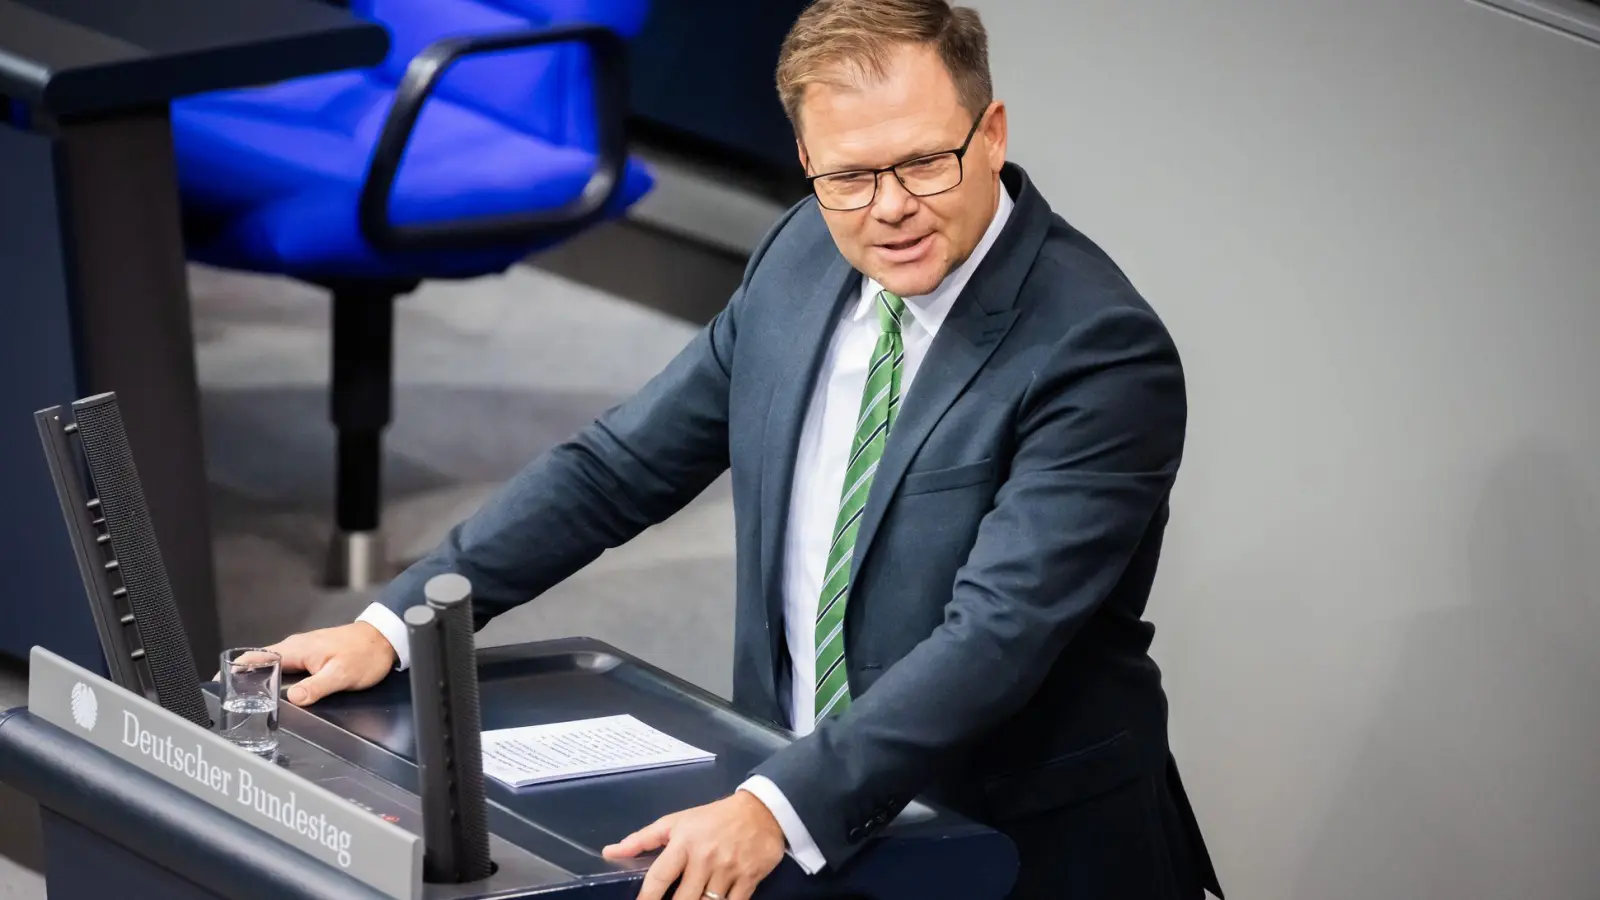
x=489, y=373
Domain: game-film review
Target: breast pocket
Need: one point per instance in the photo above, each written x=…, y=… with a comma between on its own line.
x=931, y=480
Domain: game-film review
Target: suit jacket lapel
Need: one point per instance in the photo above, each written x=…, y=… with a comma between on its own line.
x=982, y=315
x=796, y=360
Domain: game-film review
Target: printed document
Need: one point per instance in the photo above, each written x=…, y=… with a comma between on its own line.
x=537, y=754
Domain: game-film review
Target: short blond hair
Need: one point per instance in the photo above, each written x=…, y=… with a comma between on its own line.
x=835, y=41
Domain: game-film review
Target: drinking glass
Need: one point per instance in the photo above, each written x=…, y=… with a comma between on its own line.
x=250, y=678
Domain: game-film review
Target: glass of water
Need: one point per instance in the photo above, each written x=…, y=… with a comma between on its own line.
x=250, y=678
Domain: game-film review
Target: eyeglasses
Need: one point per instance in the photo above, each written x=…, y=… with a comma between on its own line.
x=923, y=176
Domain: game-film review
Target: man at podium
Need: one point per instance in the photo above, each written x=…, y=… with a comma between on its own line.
x=953, y=426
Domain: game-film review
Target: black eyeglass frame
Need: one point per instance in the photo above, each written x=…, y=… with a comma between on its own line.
x=960, y=154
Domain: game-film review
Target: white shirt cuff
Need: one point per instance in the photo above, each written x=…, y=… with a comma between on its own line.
x=801, y=846
x=393, y=628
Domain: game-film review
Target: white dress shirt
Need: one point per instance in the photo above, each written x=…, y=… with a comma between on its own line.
x=820, y=463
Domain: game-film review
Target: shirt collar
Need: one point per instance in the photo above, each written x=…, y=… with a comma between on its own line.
x=929, y=310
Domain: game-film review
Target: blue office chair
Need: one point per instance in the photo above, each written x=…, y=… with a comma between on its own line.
x=480, y=139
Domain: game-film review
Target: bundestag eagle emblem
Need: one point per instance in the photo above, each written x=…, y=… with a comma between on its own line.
x=84, y=706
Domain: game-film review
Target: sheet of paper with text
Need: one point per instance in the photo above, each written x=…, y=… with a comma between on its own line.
x=537, y=754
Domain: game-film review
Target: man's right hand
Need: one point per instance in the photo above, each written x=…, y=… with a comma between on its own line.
x=343, y=658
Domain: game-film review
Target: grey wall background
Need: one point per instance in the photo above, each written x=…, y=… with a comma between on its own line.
x=1374, y=228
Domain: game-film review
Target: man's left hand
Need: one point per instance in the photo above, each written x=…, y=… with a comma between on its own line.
x=721, y=850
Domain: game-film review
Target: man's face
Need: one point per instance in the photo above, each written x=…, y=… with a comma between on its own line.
x=908, y=243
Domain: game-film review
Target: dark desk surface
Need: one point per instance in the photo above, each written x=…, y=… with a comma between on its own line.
x=80, y=57
x=927, y=853
x=546, y=838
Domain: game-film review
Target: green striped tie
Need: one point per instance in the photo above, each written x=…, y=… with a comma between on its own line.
x=879, y=403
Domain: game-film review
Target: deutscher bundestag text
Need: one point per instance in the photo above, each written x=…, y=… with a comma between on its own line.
x=191, y=761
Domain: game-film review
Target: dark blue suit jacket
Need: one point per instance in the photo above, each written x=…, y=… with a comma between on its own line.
x=997, y=657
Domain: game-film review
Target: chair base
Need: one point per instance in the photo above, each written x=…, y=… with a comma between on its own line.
x=362, y=388
x=357, y=561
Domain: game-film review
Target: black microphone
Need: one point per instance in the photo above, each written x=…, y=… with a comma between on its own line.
x=444, y=702
x=102, y=499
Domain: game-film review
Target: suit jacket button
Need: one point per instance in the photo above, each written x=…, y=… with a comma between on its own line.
x=854, y=834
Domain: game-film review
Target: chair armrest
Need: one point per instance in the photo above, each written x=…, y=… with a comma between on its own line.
x=424, y=73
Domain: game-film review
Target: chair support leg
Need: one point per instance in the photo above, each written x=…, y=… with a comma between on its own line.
x=359, y=479
x=361, y=406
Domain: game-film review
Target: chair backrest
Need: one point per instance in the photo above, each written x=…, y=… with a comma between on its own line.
x=544, y=91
